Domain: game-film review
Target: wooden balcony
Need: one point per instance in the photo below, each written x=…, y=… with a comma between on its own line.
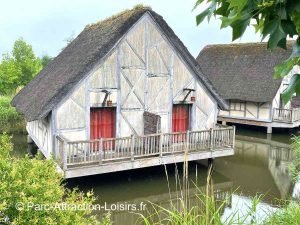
x=82, y=158
x=286, y=115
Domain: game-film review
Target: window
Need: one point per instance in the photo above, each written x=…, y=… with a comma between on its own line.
x=237, y=106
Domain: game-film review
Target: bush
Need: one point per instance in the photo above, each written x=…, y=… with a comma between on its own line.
x=10, y=120
x=294, y=167
x=27, y=182
x=286, y=216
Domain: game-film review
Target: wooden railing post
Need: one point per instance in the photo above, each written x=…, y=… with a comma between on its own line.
x=160, y=144
x=132, y=148
x=100, y=150
x=211, y=138
x=292, y=116
x=233, y=137
x=187, y=139
x=65, y=155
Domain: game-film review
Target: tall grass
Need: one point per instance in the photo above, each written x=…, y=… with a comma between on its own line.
x=206, y=210
x=289, y=215
x=10, y=120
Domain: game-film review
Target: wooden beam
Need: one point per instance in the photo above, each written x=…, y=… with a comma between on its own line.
x=118, y=84
x=131, y=90
x=129, y=124
x=134, y=51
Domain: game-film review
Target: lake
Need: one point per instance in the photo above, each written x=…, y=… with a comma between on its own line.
x=259, y=167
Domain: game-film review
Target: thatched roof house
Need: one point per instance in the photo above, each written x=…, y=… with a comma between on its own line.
x=242, y=71
x=124, y=94
x=60, y=77
x=243, y=75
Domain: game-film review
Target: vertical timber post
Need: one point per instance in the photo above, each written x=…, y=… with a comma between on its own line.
x=65, y=156
x=160, y=144
x=132, y=148
x=187, y=140
x=100, y=150
x=269, y=130
x=233, y=138
x=211, y=139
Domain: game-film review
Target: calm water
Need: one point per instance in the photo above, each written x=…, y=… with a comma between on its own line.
x=259, y=166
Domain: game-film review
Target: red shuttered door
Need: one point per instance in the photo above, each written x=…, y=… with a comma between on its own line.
x=180, y=118
x=180, y=121
x=102, y=123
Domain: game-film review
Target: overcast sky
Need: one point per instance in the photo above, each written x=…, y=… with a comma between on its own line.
x=47, y=24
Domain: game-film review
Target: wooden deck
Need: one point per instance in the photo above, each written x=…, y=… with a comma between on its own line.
x=287, y=116
x=282, y=118
x=83, y=158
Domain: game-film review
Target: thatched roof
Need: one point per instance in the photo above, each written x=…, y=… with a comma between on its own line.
x=49, y=87
x=243, y=71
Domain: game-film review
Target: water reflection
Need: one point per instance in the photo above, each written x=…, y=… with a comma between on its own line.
x=149, y=185
x=259, y=166
x=242, y=204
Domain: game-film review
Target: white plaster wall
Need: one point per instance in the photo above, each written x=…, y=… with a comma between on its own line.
x=143, y=73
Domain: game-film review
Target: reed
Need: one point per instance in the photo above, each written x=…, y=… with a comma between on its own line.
x=206, y=211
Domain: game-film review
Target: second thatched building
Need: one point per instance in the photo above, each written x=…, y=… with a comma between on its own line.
x=243, y=75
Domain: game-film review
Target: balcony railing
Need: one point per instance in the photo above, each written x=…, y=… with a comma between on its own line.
x=104, y=150
x=286, y=115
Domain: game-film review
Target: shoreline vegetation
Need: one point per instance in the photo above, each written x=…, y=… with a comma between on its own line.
x=207, y=211
x=11, y=121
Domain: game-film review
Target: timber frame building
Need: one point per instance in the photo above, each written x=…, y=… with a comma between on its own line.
x=124, y=94
x=243, y=75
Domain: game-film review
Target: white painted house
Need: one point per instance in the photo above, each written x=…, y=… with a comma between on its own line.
x=243, y=75
x=125, y=94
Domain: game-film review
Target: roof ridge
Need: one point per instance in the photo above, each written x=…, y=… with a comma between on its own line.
x=140, y=7
x=242, y=44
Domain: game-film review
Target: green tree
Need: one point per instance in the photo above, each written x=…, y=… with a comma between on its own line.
x=275, y=20
x=26, y=182
x=18, y=67
x=46, y=59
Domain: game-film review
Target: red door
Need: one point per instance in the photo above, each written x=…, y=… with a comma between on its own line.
x=180, y=121
x=102, y=125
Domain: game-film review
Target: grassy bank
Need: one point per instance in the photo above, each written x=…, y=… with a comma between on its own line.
x=289, y=215
x=10, y=120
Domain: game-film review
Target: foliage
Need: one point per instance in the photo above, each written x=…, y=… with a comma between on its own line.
x=32, y=181
x=294, y=167
x=206, y=210
x=10, y=120
x=18, y=67
x=276, y=20
x=46, y=59
x=288, y=215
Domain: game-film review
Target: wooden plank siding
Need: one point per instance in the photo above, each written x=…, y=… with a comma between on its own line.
x=41, y=133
